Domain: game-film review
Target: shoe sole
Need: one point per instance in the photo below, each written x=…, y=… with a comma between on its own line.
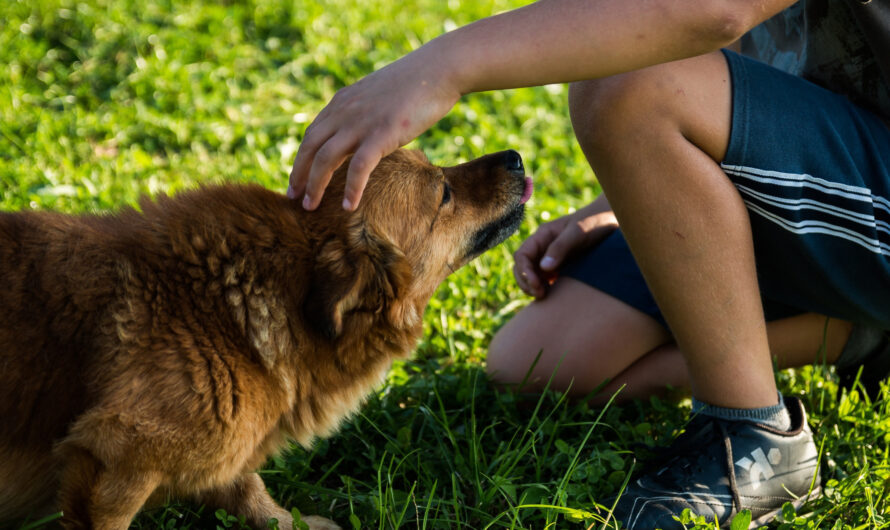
x=766, y=519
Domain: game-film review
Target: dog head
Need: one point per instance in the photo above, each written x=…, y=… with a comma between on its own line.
x=416, y=224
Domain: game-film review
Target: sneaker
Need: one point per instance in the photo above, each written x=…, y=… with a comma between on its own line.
x=717, y=468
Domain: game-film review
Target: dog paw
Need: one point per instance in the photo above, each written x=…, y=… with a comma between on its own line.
x=320, y=523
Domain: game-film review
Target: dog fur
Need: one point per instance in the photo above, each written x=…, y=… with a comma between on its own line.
x=166, y=352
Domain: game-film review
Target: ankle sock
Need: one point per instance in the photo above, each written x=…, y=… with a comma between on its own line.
x=775, y=416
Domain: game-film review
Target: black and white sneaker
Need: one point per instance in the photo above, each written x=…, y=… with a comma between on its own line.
x=718, y=468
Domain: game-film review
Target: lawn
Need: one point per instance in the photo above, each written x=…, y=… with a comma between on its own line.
x=102, y=101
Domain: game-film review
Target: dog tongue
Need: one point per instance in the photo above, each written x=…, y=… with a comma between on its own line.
x=527, y=193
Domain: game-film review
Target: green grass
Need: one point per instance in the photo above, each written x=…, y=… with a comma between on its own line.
x=102, y=101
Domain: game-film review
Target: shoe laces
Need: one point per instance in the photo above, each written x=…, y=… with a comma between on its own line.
x=700, y=432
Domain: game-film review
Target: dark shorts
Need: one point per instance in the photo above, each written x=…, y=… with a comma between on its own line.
x=814, y=172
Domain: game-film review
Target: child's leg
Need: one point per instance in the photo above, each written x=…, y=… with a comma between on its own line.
x=654, y=138
x=585, y=337
x=795, y=341
x=811, y=170
x=589, y=334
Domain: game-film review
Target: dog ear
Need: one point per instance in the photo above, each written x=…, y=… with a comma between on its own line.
x=366, y=274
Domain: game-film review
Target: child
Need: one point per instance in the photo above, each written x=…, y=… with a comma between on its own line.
x=739, y=188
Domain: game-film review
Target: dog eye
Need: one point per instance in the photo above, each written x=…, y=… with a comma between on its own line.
x=446, y=194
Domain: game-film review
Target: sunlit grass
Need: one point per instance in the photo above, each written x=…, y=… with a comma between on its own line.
x=103, y=101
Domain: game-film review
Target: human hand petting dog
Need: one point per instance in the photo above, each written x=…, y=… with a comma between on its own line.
x=551, y=41
x=538, y=258
x=372, y=118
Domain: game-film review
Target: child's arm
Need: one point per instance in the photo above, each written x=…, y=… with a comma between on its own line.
x=551, y=41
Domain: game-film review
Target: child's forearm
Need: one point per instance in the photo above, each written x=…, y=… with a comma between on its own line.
x=551, y=41
x=554, y=41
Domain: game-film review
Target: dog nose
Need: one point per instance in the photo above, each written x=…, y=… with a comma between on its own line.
x=512, y=161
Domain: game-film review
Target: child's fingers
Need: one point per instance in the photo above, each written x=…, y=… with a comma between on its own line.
x=525, y=269
x=362, y=164
x=564, y=243
x=315, y=136
x=577, y=234
x=535, y=245
x=527, y=278
x=326, y=160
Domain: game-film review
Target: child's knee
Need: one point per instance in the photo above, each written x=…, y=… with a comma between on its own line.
x=501, y=360
x=604, y=111
x=611, y=113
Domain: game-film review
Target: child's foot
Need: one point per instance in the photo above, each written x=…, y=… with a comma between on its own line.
x=717, y=468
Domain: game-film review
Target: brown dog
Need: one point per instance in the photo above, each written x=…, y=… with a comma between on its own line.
x=169, y=352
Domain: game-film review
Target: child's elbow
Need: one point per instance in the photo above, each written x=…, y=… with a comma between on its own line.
x=720, y=23
x=729, y=28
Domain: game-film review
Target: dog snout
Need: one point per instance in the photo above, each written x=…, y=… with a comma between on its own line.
x=512, y=161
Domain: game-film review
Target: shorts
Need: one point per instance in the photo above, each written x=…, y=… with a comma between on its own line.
x=611, y=268
x=814, y=172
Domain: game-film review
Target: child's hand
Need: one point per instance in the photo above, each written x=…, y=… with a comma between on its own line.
x=539, y=256
x=370, y=119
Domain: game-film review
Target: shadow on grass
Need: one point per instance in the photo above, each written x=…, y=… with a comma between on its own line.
x=439, y=447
